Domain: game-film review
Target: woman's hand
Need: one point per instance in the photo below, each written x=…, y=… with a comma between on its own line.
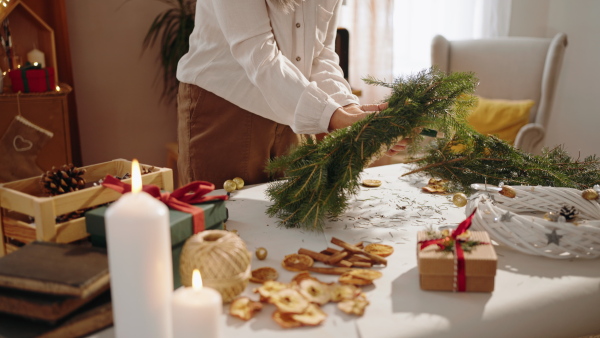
x=348, y=115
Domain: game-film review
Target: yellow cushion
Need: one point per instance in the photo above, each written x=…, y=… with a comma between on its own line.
x=503, y=118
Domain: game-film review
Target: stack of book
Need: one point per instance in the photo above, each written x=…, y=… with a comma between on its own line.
x=54, y=290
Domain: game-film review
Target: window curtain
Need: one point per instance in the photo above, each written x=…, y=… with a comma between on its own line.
x=390, y=38
x=370, y=25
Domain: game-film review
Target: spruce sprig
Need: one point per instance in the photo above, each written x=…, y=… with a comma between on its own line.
x=320, y=177
x=476, y=158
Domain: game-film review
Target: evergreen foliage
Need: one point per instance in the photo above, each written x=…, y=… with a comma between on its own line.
x=487, y=159
x=319, y=177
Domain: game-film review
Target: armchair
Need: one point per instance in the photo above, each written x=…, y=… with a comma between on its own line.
x=510, y=68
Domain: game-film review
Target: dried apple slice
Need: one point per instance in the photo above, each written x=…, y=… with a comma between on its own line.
x=340, y=292
x=312, y=316
x=285, y=320
x=355, y=306
x=244, y=308
x=289, y=301
x=269, y=288
x=314, y=291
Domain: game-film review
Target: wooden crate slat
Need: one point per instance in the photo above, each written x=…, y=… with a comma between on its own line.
x=17, y=201
x=71, y=231
x=26, y=201
x=18, y=230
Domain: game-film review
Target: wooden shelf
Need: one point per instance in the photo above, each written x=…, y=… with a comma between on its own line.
x=28, y=31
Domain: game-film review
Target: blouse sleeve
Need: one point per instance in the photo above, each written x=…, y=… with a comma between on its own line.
x=326, y=71
x=304, y=106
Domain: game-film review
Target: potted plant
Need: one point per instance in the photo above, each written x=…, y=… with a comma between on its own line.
x=171, y=29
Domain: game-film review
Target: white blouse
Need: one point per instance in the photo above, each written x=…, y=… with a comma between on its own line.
x=279, y=66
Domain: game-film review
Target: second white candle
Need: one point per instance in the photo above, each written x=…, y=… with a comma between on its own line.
x=197, y=311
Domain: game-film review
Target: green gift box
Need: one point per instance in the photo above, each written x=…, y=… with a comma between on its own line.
x=215, y=214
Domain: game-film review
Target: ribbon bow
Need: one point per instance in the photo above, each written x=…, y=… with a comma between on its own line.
x=181, y=199
x=460, y=278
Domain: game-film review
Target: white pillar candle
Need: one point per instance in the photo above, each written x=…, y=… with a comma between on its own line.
x=36, y=55
x=139, y=256
x=197, y=311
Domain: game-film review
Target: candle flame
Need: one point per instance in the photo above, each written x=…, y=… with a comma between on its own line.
x=58, y=88
x=196, y=280
x=136, y=177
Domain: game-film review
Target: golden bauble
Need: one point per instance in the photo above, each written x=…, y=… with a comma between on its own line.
x=261, y=253
x=459, y=199
x=229, y=186
x=239, y=182
x=590, y=194
x=507, y=191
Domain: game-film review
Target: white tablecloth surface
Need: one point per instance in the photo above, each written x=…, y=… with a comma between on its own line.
x=533, y=296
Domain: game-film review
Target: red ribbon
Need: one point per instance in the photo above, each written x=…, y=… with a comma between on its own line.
x=460, y=277
x=181, y=199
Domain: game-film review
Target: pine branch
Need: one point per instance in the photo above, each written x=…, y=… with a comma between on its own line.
x=319, y=177
x=487, y=159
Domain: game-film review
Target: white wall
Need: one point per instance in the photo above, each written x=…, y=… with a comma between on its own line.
x=575, y=120
x=120, y=114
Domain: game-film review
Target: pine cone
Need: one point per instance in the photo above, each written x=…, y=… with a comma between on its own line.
x=60, y=181
x=569, y=212
x=72, y=215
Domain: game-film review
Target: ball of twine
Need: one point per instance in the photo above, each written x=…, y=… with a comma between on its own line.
x=223, y=261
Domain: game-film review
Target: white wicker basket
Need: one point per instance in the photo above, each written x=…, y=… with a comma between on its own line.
x=520, y=224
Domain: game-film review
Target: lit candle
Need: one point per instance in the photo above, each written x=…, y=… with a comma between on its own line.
x=37, y=56
x=139, y=256
x=197, y=310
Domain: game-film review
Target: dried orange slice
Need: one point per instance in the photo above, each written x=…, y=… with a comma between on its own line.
x=264, y=274
x=349, y=279
x=297, y=262
x=378, y=249
x=371, y=183
x=434, y=189
x=360, y=277
x=366, y=274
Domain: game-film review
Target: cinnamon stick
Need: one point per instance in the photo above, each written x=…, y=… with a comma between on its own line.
x=336, y=258
x=330, y=251
x=357, y=258
x=362, y=264
x=314, y=255
x=329, y=271
x=376, y=259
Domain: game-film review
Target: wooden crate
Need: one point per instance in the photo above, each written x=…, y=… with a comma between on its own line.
x=20, y=200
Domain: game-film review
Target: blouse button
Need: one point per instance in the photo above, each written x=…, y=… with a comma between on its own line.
x=298, y=58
